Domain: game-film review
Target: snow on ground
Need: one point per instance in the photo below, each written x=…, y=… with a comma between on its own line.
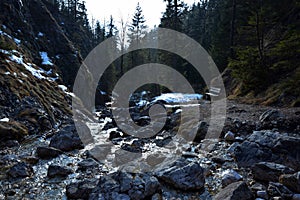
x=15, y=56
x=17, y=41
x=178, y=97
x=65, y=90
x=4, y=120
x=45, y=58
x=40, y=34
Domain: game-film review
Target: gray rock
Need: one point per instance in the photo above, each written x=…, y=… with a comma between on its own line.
x=229, y=136
x=88, y=164
x=270, y=115
x=235, y=191
x=47, y=152
x=268, y=146
x=262, y=194
x=266, y=171
x=292, y=181
x=296, y=197
x=229, y=176
x=20, y=170
x=202, y=131
x=188, y=176
x=58, y=171
x=277, y=189
x=66, y=140
x=80, y=190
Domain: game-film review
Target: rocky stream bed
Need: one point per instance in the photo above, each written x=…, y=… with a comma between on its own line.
x=256, y=157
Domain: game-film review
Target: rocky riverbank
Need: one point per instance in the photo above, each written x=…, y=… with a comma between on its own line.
x=257, y=156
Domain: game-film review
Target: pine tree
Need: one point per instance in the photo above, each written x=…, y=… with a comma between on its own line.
x=136, y=31
x=137, y=28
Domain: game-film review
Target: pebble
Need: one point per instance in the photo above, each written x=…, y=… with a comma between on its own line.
x=229, y=136
x=262, y=194
x=296, y=197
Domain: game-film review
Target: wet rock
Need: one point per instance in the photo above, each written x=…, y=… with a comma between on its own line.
x=229, y=176
x=262, y=194
x=288, y=148
x=184, y=176
x=268, y=146
x=47, y=152
x=296, y=197
x=114, y=135
x=270, y=115
x=292, y=181
x=20, y=170
x=266, y=171
x=66, y=140
x=88, y=164
x=81, y=190
x=229, y=136
x=58, y=171
x=235, y=191
x=11, y=143
x=30, y=159
x=201, y=132
x=277, y=189
x=12, y=130
x=218, y=160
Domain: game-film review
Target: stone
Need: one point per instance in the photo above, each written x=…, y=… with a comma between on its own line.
x=229, y=136
x=88, y=164
x=268, y=146
x=235, y=191
x=292, y=181
x=277, y=189
x=229, y=176
x=81, y=190
x=201, y=132
x=296, y=197
x=138, y=186
x=58, y=171
x=66, y=140
x=270, y=115
x=267, y=171
x=183, y=176
x=47, y=152
x=20, y=170
x=262, y=194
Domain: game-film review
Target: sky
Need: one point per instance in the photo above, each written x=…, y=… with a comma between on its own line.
x=152, y=10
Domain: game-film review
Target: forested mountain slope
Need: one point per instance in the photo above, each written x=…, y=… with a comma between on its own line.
x=37, y=60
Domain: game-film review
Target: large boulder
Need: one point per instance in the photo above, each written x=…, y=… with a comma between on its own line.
x=266, y=171
x=68, y=139
x=268, y=146
x=20, y=170
x=292, y=181
x=47, y=152
x=235, y=191
x=58, y=171
x=183, y=176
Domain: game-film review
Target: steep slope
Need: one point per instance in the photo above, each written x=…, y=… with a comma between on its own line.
x=35, y=56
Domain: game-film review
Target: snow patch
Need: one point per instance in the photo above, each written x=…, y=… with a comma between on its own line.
x=7, y=73
x=65, y=90
x=45, y=58
x=17, y=41
x=40, y=34
x=178, y=97
x=4, y=120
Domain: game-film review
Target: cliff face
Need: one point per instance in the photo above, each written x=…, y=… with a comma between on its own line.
x=37, y=59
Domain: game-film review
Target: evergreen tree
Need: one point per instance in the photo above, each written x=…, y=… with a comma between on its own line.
x=136, y=31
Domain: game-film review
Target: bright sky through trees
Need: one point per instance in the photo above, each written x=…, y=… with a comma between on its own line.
x=152, y=10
